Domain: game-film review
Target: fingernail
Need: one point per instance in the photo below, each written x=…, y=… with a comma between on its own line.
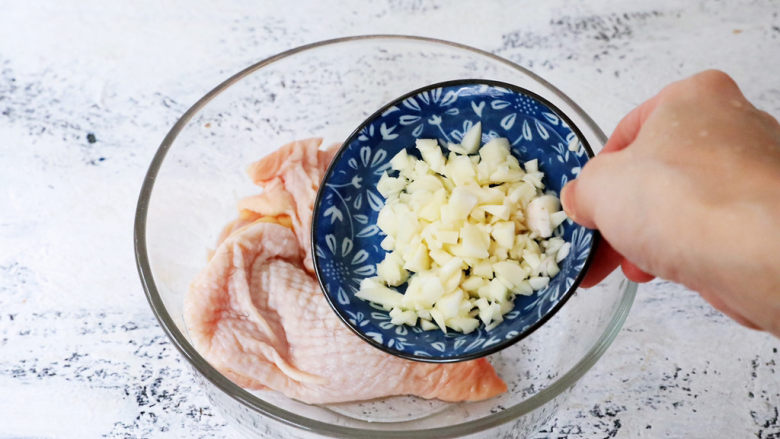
x=567, y=194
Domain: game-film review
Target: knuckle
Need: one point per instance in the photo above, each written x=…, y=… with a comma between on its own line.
x=714, y=79
x=703, y=84
x=766, y=116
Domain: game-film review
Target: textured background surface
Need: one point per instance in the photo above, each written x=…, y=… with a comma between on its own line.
x=88, y=89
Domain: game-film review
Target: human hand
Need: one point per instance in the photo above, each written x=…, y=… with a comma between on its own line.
x=688, y=189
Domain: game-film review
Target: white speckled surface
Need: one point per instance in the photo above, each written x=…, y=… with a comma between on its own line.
x=89, y=88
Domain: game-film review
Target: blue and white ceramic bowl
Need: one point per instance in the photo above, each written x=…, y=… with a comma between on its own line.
x=346, y=240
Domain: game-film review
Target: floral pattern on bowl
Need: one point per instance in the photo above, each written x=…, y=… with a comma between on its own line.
x=346, y=240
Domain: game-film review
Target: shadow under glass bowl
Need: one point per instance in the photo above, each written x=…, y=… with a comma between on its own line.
x=326, y=89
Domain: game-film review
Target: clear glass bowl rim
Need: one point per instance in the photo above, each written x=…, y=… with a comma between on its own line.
x=247, y=399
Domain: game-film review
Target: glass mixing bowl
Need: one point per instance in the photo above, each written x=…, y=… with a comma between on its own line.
x=326, y=89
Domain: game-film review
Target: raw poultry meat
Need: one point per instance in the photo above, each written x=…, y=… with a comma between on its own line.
x=257, y=314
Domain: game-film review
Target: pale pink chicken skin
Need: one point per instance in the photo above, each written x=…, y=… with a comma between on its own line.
x=296, y=200
x=293, y=173
x=257, y=314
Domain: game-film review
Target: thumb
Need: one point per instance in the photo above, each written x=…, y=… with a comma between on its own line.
x=598, y=190
x=569, y=202
x=595, y=192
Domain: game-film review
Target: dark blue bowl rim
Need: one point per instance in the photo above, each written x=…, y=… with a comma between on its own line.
x=498, y=346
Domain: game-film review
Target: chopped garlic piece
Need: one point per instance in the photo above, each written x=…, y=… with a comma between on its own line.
x=427, y=325
x=472, y=139
x=467, y=231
